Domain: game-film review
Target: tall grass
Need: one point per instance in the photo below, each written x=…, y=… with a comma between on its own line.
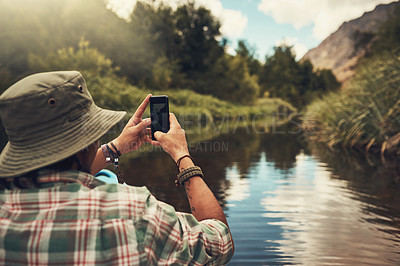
x=366, y=113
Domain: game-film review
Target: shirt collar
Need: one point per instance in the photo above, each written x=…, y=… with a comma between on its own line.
x=50, y=178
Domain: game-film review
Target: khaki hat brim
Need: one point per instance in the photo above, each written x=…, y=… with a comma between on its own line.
x=16, y=160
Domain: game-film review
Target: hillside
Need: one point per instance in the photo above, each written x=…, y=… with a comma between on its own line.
x=341, y=51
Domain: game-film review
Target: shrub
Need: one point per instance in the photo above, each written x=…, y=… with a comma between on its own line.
x=366, y=113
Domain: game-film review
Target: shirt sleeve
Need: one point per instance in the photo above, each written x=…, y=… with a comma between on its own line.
x=211, y=236
x=177, y=237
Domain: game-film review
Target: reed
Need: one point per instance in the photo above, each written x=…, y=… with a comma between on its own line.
x=365, y=113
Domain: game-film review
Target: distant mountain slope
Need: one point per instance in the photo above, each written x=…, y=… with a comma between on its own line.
x=341, y=51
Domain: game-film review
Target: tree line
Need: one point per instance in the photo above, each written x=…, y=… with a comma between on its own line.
x=158, y=48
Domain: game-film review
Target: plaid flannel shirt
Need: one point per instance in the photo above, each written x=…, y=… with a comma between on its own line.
x=73, y=218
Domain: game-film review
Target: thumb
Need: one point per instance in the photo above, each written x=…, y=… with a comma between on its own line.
x=158, y=135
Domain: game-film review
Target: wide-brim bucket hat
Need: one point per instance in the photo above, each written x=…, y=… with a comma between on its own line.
x=49, y=117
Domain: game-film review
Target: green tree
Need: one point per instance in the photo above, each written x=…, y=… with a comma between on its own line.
x=280, y=75
x=249, y=52
x=154, y=29
x=233, y=80
x=176, y=49
x=198, y=51
x=197, y=45
x=284, y=77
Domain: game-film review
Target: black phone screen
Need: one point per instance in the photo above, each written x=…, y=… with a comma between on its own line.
x=159, y=113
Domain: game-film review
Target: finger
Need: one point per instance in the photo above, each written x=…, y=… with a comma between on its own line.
x=142, y=107
x=144, y=124
x=173, y=121
x=148, y=130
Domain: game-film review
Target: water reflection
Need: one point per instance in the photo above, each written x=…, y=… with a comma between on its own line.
x=289, y=202
x=323, y=222
x=239, y=187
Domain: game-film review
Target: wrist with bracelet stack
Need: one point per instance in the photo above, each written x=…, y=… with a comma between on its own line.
x=112, y=156
x=187, y=173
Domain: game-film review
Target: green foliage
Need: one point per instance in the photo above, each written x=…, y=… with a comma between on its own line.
x=284, y=77
x=153, y=28
x=42, y=26
x=249, y=53
x=112, y=92
x=367, y=113
x=177, y=49
x=166, y=74
x=198, y=31
x=158, y=48
x=108, y=90
x=84, y=59
x=237, y=85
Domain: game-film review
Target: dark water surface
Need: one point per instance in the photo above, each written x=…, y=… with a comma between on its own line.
x=289, y=202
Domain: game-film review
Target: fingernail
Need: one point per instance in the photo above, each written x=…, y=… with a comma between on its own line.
x=147, y=120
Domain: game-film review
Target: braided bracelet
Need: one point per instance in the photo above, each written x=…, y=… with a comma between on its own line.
x=188, y=173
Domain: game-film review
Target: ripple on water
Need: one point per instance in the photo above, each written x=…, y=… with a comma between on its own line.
x=304, y=216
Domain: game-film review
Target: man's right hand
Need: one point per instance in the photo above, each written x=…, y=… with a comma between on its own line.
x=174, y=141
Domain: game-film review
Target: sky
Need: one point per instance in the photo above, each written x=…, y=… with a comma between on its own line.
x=303, y=24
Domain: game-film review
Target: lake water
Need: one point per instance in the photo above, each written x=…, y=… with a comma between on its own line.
x=289, y=202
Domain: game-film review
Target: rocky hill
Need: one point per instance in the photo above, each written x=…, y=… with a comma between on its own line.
x=343, y=48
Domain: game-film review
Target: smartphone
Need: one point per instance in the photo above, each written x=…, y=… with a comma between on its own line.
x=159, y=113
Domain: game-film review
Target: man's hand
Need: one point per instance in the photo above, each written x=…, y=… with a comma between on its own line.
x=174, y=141
x=136, y=131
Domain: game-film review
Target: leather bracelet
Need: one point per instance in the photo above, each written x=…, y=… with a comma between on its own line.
x=188, y=173
x=115, y=148
x=178, y=162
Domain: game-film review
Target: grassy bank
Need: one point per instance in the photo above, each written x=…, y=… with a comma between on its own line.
x=115, y=93
x=366, y=113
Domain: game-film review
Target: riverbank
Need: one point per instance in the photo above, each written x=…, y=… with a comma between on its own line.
x=112, y=92
x=365, y=114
